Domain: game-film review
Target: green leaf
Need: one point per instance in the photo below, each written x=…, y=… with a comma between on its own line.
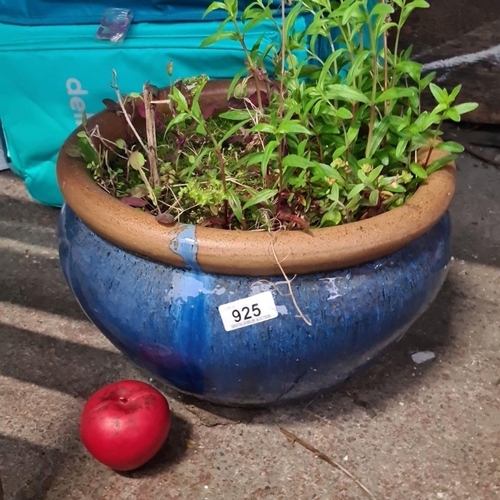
x=401, y=148
x=420, y=4
x=383, y=157
x=136, y=160
x=395, y=93
x=441, y=162
x=214, y=6
x=121, y=144
x=339, y=152
x=412, y=68
x=200, y=129
x=181, y=117
x=261, y=197
x=382, y=9
x=353, y=204
x=266, y=128
x=418, y=170
x=301, y=147
x=410, y=7
x=363, y=177
x=426, y=119
x=326, y=67
x=235, y=204
x=379, y=132
x=331, y=218
x=359, y=66
x=374, y=198
x=269, y=150
x=217, y=37
x=334, y=193
x=87, y=150
x=352, y=133
x=345, y=93
x=466, y=107
x=397, y=188
x=332, y=173
x=343, y=114
x=292, y=127
x=236, y=115
x=180, y=99
x=292, y=160
x=349, y=12
x=452, y=114
x=235, y=128
x=426, y=80
x=450, y=147
x=439, y=94
x=355, y=191
x=373, y=175
x=455, y=92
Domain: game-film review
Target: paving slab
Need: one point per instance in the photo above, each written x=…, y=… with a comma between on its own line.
x=405, y=430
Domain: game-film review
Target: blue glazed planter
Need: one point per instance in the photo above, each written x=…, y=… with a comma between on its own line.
x=166, y=319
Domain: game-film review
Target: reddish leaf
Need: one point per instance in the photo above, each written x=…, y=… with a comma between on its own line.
x=141, y=109
x=160, y=124
x=242, y=139
x=111, y=105
x=263, y=97
x=166, y=219
x=236, y=103
x=132, y=201
x=181, y=139
x=208, y=111
x=294, y=219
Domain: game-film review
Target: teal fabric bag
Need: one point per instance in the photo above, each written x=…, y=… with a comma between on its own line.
x=51, y=74
x=56, y=12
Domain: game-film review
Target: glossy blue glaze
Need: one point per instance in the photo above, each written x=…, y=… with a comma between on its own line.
x=166, y=319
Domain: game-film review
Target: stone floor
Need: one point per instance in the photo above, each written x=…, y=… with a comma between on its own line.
x=406, y=431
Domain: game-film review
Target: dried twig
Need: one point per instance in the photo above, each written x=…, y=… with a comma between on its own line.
x=294, y=439
x=154, y=175
x=289, y=284
x=125, y=113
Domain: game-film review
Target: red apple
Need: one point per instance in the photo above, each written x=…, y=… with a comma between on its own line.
x=123, y=425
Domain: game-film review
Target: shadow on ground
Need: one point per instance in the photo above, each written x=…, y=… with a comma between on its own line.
x=27, y=469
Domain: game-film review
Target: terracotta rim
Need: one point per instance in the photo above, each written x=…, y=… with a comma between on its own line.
x=247, y=253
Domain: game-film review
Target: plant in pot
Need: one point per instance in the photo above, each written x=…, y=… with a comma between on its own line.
x=259, y=239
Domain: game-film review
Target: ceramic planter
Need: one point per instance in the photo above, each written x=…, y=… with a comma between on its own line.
x=154, y=291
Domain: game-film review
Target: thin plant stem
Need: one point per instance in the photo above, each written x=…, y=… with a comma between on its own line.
x=222, y=167
x=125, y=112
x=252, y=69
x=282, y=145
x=294, y=439
x=431, y=147
x=373, y=106
x=386, y=69
x=289, y=284
x=154, y=174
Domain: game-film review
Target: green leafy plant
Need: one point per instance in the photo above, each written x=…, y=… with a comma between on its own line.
x=310, y=137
